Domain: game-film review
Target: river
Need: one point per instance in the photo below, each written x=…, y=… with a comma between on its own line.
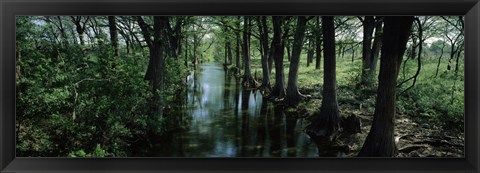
x=226, y=121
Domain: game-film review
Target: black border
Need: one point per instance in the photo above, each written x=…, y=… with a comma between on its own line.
x=10, y=8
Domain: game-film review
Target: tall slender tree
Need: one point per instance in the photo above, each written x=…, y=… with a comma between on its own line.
x=278, y=90
x=156, y=62
x=368, y=27
x=318, y=43
x=326, y=123
x=293, y=96
x=263, y=30
x=248, y=80
x=237, y=46
x=380, y=140
x=112, y=25
x=377, y=44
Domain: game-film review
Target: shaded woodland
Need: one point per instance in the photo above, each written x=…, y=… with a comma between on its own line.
x=240, y=86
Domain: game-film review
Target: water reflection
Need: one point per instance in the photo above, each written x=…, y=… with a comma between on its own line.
x=226, y=121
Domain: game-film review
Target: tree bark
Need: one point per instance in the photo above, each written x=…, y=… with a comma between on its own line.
x=155, y=68
x=310, y=51
x=377, y=45
x=318, y=44
x=440, y=58
x=380, y=140
x=148, y=39
x=229, y=52
x=289, y=54
x=326, y=123
x=271, y=57
x=185, y=63
x=173, y=35
x=293, y=96
x=278, y=90
x=237, y=47
x=195, y=46
x=225, y=56
x=18, y=56
x=248, y=81
x=112, y=24
x=265, y=87
x=368, y=26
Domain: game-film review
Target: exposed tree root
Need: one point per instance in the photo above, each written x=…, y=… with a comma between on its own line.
x=277, y=93
x=292, y=100
x=250, y=83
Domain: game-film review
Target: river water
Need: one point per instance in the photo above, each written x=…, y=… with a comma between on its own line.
x=226, y=121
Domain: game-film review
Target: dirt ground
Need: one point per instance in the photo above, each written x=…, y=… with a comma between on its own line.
x=413, y=138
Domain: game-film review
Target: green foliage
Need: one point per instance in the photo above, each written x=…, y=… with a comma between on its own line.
x=82, y=101
x=68, y=102
x=97, y=152
x=437, y=100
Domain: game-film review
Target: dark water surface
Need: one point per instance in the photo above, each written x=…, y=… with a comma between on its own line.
x=226, y=121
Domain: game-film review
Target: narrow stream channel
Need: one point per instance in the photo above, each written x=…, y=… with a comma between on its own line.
x=227, y=121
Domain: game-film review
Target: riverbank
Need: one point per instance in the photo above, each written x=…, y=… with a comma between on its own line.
x=424, y=125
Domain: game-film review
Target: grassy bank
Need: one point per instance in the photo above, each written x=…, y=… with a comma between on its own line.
x=438, y=101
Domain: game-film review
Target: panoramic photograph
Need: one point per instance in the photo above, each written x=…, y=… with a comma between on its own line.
x=240, y=86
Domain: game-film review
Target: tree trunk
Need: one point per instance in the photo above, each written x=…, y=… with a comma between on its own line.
x=155, y=68
x=239, y=62
x=271, y=57
x=440, y=58
x=318, y=44
x=278, y=90
x=326, y=123
x=173, y=35
x=159, y=66
x=237, y=52
x=112, y=24
x=195, y=46
x=310, y=52
x=79, y=28
x=380, y=140
x=353, y=52
x=368, y=26
x=293, y=96
x=289, y=54
x=229, y=52
x=18, y=55
x=340, y=47
x=185, y=63
x=146, y=34
x=265, y=87
x=377, y=45
x=248, y=81
x=225, y=56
